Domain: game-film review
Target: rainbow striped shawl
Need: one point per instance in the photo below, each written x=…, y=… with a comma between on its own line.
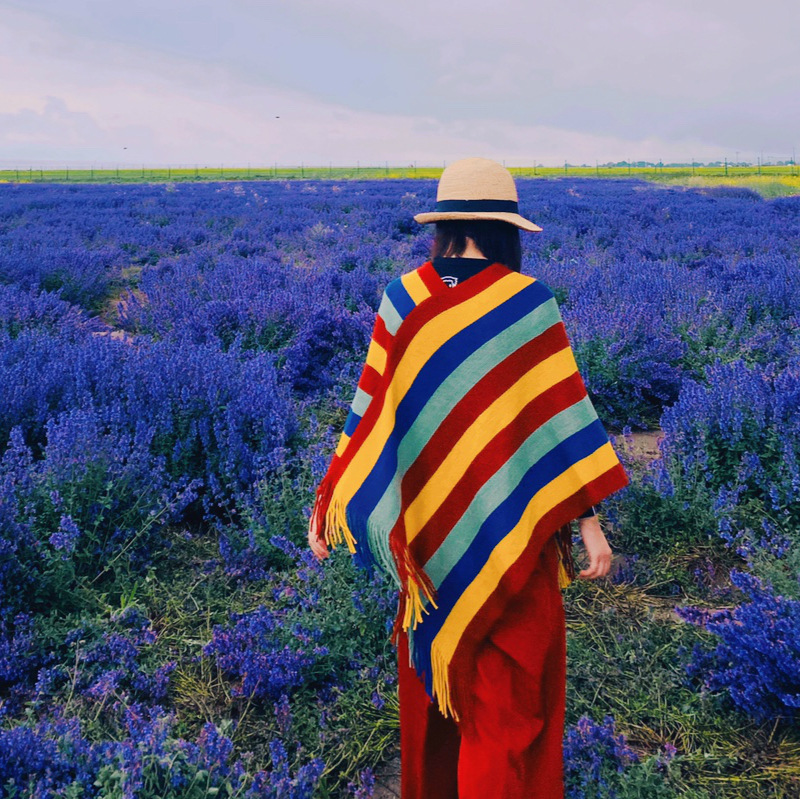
x=469, y=443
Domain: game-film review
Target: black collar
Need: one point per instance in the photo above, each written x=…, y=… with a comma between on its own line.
x=460, y=268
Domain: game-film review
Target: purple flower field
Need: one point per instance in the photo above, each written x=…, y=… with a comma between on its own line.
x=176, y=362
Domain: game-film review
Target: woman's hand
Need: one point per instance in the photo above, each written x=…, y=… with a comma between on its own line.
x=319, y=548
x=597, y=549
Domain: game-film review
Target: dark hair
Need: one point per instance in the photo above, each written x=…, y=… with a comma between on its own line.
x=497, y=240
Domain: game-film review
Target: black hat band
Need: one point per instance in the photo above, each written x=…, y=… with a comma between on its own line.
x=503, y=206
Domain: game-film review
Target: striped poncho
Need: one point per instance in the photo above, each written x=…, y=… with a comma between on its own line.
x=470, y=441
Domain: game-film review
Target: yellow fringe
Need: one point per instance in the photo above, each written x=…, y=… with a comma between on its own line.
x=414, y=605
x=412, y=613
x=429, y=595
x=563, y=578
x=407, y=615
x=441, y=684
x=336, y=528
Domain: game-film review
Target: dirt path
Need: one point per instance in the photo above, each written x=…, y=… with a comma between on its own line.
x=387, y=778
x=643, y=446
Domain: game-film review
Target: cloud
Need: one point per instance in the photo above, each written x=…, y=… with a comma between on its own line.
x=341, y=81
x=57, y=128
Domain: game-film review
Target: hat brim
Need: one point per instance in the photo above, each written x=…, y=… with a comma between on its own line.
x=515, y=219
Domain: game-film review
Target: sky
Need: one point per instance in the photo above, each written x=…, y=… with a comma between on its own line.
x=318, y=82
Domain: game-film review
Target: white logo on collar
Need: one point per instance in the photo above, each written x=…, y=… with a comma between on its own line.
x=449, y=280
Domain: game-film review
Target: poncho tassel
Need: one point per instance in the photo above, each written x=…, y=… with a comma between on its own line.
x=414, y=581
x=329, y=518
x=441, y=685
x=566, y=566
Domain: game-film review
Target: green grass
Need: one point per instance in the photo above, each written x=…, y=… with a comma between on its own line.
x=768, y=180
x=766, y=184
x=185, y=601
x=623, y=659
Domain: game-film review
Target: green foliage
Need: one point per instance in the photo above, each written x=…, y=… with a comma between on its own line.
x=282, y=498
x=112, y=518
x=626, y=657
x=166, y=777
x=652, y=779
x=783, y=572
x=652, y=524
x=624, y=661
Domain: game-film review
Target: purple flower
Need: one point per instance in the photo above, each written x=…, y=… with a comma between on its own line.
x=365, y=787
x=757, y=658
x=283, y=715
x=66, y=536
x=592, y=754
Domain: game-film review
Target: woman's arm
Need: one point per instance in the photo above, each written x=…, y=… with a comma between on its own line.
x=597, y=549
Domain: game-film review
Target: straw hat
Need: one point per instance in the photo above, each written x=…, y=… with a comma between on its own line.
x=477, y=188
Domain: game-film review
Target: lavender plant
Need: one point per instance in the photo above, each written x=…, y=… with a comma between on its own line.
x=599, y=763
x=255, y=650
x=592, y=753
x=756, y=661
x=57, y=758
x=182, y=357
x=729, y=465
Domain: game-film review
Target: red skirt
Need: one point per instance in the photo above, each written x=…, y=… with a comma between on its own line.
x=512, y=748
